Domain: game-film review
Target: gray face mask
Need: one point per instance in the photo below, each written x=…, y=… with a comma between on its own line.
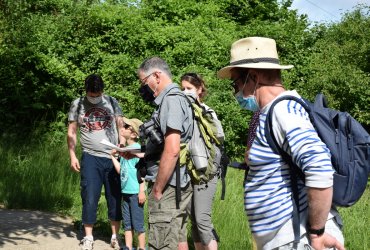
x=94, y=100
x=192, y=93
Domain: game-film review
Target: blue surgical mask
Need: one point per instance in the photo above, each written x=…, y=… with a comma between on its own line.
x=249, y=103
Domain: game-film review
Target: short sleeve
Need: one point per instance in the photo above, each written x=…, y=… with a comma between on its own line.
x=72, y=114
x=116, y=107
x=173, y=114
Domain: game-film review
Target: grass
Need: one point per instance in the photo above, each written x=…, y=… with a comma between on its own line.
x=37, y=176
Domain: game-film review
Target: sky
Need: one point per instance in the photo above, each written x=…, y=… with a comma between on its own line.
x=325, y=10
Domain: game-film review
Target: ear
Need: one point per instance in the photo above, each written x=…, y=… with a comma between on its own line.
x=157, y=74
x=134, y=135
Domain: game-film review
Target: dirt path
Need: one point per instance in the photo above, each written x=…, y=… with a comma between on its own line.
x=35, y=230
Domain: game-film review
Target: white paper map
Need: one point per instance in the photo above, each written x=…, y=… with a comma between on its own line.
x=133, y=149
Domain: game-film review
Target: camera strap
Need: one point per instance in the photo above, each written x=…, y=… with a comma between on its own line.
x=178, y=187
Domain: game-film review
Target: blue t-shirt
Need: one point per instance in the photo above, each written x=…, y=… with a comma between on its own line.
x=129, y=183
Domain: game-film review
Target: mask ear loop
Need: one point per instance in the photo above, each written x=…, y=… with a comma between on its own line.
x=255, y=87
x=254, y=94
x=156, y=86
x=245, y=83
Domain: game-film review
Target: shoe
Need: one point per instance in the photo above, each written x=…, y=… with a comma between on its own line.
x=87, y=244
x=114, y=243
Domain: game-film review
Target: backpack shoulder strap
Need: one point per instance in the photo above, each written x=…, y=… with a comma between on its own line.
x=112, y=104
x=271, y=140
x=177, y=168
x=174, y=94
x=270, y=137
x=79, y=105
x=186, y=98
x=269, y=132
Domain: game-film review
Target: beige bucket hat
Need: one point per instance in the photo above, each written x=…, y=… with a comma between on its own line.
x=255, y=53
x=134, y=123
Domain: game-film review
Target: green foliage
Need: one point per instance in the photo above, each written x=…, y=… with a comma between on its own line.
x=48, y=47
x=355, y=229
x=36, y=175
x=228, y=215
x=339, y=66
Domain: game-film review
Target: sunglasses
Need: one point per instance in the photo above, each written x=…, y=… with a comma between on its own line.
x=234, y=84
x=126, y=126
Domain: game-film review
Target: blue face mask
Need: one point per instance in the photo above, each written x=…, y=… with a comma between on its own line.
x=249, y=103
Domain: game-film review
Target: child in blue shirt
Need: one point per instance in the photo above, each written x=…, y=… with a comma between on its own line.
x=133, y=193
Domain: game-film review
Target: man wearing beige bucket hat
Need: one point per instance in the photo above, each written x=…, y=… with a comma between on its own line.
x=255, y=70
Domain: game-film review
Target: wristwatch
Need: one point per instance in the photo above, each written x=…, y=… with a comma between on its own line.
x=318, y=232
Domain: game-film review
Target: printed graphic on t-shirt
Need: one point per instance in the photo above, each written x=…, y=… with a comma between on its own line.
x=96, y=119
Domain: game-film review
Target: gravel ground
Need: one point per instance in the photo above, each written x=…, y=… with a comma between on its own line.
x=35, y=230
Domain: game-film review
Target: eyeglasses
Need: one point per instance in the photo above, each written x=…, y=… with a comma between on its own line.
x=234, y=84
x=243, y=78
x=143, y=81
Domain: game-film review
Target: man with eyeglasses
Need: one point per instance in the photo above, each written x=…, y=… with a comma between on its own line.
x=256, y=73
x=172, y=124
x=98, y=117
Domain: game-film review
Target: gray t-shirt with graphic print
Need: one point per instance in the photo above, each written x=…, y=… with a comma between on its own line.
x=96, y=122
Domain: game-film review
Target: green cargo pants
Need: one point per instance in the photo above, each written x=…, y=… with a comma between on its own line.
x=167, y=225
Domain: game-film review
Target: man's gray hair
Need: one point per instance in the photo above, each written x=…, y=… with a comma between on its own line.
x=155, y=63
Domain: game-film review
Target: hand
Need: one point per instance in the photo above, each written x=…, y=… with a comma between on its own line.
x=156, y=193
x=113, y=152
x=325, y=241
x=139, y=155
x=246, y=154
x=128, y=155
x=75, y=165
x=142, y=197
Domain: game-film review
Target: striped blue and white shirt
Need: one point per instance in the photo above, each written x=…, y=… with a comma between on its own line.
x=268, y=201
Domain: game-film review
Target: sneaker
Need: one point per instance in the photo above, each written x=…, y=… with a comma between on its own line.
x=114, y=243
x=87, y=244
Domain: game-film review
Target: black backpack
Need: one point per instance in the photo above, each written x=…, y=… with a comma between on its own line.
x=349, y=145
